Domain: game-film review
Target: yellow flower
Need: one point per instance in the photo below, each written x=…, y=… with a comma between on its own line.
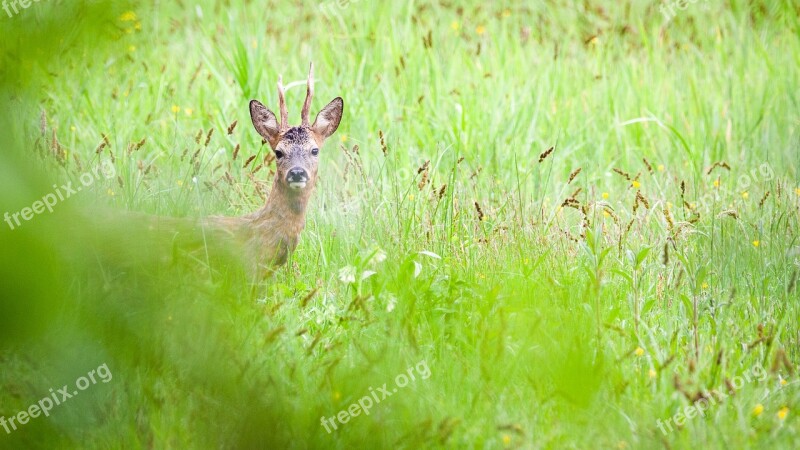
x=506, y=13
x=132, y=48
x=669, y=205
x=138, y=26
x=128, y=16
x=605, y=195
x=480, y=29
x=759, y=408
x=606, y=214
x=797, y=191
x=455, y=26
x=652, y=373
x=783, y=412
x=716, y=183
x=506, y=439
x=73, y=128
x=745, y=195
x=180, y=183
x=660, y=167
x=636, y=184
x=254, y=44
x=111, y=193
x=704, y=286
x=411, y=197
x=756, y=243
x=343, y=138
x=176, y=109
x=188, y=111
x=639, y=351
x=784, y=382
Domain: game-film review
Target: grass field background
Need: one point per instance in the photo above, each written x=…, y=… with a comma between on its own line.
x=581, y=218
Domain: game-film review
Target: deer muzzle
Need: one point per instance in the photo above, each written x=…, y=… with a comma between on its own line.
x=297, y=178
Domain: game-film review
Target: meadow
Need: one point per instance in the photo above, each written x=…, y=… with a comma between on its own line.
x=540, y=225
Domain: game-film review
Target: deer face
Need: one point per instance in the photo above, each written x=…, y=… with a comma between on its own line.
x=297, y=148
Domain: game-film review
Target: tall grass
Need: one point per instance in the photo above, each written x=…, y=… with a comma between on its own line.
x=582, y=217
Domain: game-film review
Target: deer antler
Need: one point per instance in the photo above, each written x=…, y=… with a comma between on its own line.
x=282, y=105
x=309, y=96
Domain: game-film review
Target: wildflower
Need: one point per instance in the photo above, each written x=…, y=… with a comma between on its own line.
x=506, y=439
x=784, y=382
x=254, y=44
x=347, y=274
x=669, y=205
x=639, y=351
x=188, y=111
x=128, y=16
x=480, y=29
x=660, y=167
x=704, y=286
x=756, y=243
x=606, y=214
x=455, y=26
x=797, y=191
x=651, y=373
x=180, y=183
x=506, y=13
x=636, y=184
x=176, y=109
x=759, y=408
x=716, y=183
x=138, y=26
x=411, y=197
x=343, y=138
x=745, y=195
x=783, y=412
x=111, y=193
x=605, y=196
x=526, y=261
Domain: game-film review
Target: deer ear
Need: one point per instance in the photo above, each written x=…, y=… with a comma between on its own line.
x=265, y=122
x=328, y=119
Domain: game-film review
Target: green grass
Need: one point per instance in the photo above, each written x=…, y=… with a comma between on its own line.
x=545, y=322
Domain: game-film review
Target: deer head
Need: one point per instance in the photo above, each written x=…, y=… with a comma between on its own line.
x=296, y=148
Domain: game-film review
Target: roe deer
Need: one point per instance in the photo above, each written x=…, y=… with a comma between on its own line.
x=272, y=233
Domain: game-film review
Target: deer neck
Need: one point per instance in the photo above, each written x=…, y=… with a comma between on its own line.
x=285, y=209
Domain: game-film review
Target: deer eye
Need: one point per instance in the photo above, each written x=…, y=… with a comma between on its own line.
x=278, y=154
x=315, y=152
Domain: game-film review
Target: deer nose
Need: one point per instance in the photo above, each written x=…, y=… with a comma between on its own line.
x=297, y=175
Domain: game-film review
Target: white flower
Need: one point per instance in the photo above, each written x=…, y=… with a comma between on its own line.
x=378, y=258
x=347, y=275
